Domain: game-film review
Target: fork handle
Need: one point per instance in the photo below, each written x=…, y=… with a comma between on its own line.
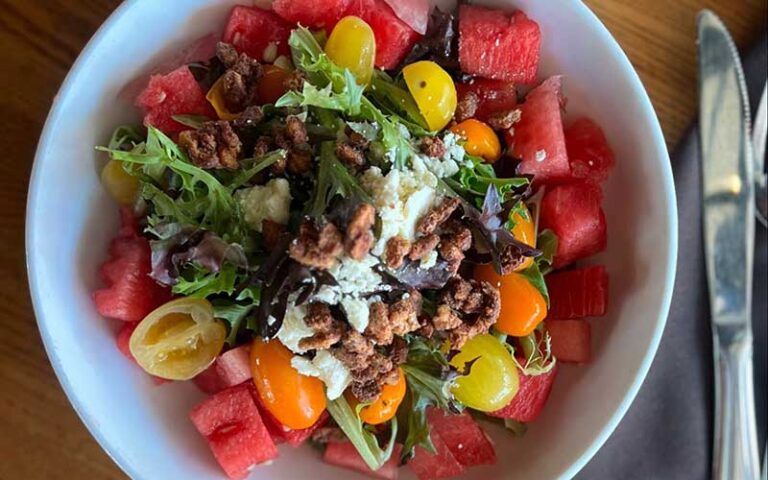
x=735, y=449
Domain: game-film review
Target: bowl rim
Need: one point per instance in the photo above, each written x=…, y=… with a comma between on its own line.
x=34, y=268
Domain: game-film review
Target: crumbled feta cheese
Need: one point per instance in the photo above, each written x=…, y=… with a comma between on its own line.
x=429, y=261
x=447, y=165
x=541, y=155
x=357, y=312
x=271, y=201
x=327, y=368
x=293, y=329
x=401, y=198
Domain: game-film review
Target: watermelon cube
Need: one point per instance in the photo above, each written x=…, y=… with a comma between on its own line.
x=124, y=339
x=578, y=293
x=537, y=140
x=465, y=439
x=533, y=393
x=317, y=14
x=394, y=38
x=499, y=45
x=345, y=455
x=493, y=96
x=230, y=368
x=175, y=93
x=209, y=380
x=231, y=423
x=574, y=213
x=130, y=293
x=589, y=154
x=252, y=30
x=571, y=340
x=279, y=432
x=441, y=465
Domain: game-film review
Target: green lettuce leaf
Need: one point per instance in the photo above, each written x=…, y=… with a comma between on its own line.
x=333, y=179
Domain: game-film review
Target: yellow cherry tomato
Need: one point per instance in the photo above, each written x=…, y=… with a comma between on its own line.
x=523, y=307
x=525, y=231
x=295, y=400
x=352, y=45
x=216, y=99
x=121, y=185
x=492, y=381
x=384, y=407
x=433, y=90
x=178, y=340
x=271, y=85
x=481, y=140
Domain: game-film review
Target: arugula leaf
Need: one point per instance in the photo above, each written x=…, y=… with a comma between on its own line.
x=429, y=377
x=396, y=100
x=232, y=313
x=546, y=242
x=333, y=179
x=202, y=200
x=364, y=441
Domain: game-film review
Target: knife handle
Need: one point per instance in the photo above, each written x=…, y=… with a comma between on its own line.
x=735, y=449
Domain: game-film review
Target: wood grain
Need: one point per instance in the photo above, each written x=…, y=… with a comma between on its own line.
x=42, y=438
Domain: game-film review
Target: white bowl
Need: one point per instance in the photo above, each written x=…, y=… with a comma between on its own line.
x=145, y=428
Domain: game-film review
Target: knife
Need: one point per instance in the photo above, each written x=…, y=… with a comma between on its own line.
x=728, y=217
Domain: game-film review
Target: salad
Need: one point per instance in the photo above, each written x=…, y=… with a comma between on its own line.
x=354, y=224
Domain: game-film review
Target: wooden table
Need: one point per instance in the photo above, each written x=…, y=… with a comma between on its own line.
x=41, y=437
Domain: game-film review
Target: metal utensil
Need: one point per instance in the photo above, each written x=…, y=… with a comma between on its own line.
x=729, y=224
x=759, y=139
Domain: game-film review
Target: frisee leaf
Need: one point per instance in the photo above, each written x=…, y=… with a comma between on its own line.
x=364, y=441
x=232, y=313
x=199, y=282
x=537, y=353
x=333, y=179
x=546, y=242
x=475, y=177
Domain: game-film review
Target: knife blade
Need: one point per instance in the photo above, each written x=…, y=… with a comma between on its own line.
x=728, y=228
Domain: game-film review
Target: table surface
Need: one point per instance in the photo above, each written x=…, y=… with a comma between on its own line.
x=42, y=437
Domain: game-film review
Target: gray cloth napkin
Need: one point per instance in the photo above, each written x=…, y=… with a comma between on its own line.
x=667, y=433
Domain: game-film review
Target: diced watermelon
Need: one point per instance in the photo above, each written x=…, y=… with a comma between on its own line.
x=123, y=340
x=465, y=439
x=394, y=39
x=574, y=213
x=533, y=393
x=279, y=432
x=176, y=93
x=251, y=30
x=578, y=293
x=441, y=465
x=230, y=368
x=130, y=293
x=209, y=380
x=494, y=96
x=571, y=340
x=312, y=13
x=345, y=455
x=231, y=423
x=415, y=13
x=500, y=45
x=537, y=139
x=590, y=155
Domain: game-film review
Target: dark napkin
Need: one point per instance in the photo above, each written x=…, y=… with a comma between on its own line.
x=667, y=433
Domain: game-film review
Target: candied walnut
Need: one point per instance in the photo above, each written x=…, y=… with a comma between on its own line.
x=379, y=329
x=227, y=54
x=423, y=246
x=466, y=107
x=366, y=391
x=357, y=140
x=359, y=236
x=354, y=342
x=272, y=232
x=426, y=327
x=395, y=251
x=214, y=145
x=445, y=319
x=504, y=120
x=262, y=146
x=295, y=130
x=433, y=147
x=318, y=316
x=437, y=216
x=399, y=351
x=241, y=78
x=299, y=161
x=324, y=339
x=454, y=244
x=403, y=316
x=510, y=259
x=315, y=246
x=349, y=154
x=295, y=81
x=252, y=115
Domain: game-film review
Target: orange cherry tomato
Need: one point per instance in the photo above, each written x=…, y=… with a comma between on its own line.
x=384, y=407
x=523, y=307
x=272, y=84
x=481, y=140
x=525, y=231
x=296, y=400
x=216, y=99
